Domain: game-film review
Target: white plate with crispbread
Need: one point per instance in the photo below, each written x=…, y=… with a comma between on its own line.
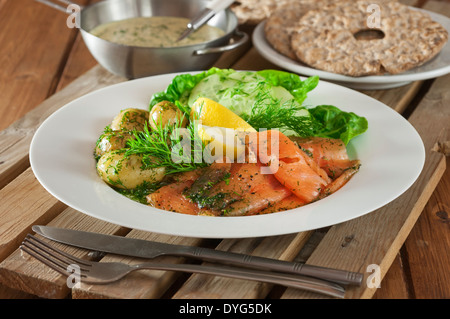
x=437, y=66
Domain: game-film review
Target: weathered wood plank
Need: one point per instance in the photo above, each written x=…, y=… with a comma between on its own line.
x=79, y=62
x=13, y=156
x=19, y=213
x=142, y=284
x=22, y=272
x=397, y=98
x=8, y=293
x=32, y=77
x=2, y=3
x=253, y=61
x=395, y=284
x=16, y=139
x=279, y=247
x=428, y=245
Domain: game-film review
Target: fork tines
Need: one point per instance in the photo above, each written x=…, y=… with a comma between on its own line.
x=51, y=256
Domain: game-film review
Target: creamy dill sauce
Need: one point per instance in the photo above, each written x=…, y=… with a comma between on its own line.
x=154, y=32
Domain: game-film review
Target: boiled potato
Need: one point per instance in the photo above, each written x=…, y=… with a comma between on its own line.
x=111, y=141
x=166, y=113
x=126, y=172
x=130, y=119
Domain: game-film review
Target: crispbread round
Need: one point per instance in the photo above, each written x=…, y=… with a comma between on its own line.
x=324, y=39
x=278, y=27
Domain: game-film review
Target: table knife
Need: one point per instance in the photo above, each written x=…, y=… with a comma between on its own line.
x=149, y=249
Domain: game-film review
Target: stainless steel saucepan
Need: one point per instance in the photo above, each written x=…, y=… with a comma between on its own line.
x=136, y=62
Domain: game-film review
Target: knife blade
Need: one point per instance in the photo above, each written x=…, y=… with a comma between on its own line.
x=150, y=249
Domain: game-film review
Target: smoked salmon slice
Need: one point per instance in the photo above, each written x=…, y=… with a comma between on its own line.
x=341, y=180
x=287, y=203
x=242, y=179
x=288, y=163
x=213, y=174
x=329, y=154
x=261, y=196
x=244, y=191
x=171, y=198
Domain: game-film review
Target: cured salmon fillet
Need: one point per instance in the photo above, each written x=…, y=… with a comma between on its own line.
x=341, y=180
x=329, y=154
x=289, y=164
x=288, y=203
x=242, y=179
x=242, y=190
x=261, y=196
x=171, y=198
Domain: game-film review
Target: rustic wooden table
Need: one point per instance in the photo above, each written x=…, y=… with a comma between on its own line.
x=44, y=65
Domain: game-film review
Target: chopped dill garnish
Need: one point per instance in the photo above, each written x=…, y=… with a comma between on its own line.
x=269, y=113
x=176, y=148
x=140, y=193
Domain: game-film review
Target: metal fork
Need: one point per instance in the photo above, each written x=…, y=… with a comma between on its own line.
x=106, y=272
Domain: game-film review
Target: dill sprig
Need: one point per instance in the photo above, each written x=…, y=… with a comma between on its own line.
x=171, y=146
x=269, y=113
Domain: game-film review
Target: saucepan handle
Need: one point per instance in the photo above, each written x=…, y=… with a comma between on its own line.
x=57, y=6
x=243, y=39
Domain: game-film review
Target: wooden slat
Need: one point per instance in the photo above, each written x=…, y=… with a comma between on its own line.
x=13, y=156
x=19, y=213
x=15, y=140
x=8, y=293
x=397, y=98
x=29, y=69
x=428, y=245
x=79, y=62
x=24, y=273
x=278, y=247
x=142, y=284
x=2, y=3
x=430, y=236
x=253, y=61
x=395, y=284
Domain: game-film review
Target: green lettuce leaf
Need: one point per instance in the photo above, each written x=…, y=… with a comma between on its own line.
x=332, y=122
x=291, y=82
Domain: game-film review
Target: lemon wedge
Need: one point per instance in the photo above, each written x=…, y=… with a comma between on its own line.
x=211, y=113
x=223, y=144
x=222, y=130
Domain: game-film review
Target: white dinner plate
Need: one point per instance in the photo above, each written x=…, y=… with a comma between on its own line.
x=61, y=154
x=438, y=66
